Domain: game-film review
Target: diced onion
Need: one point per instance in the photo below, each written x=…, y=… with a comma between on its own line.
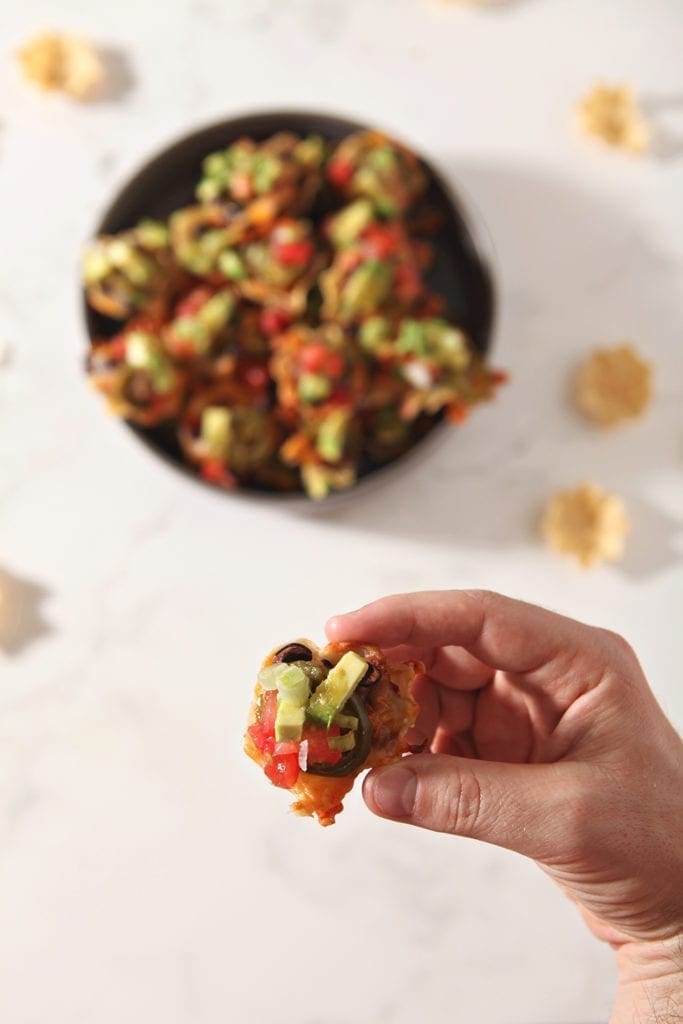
x=303, y=755
x=417, y=374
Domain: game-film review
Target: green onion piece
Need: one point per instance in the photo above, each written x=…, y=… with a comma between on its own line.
x=347, y=741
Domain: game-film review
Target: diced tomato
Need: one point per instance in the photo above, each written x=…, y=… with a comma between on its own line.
x=286, y=748
x=262, y=741
x=283, y=770
x=340, y=172
x=273, y=320
x=334, y=364
x=319, y=751
x=340, y=397
x=408, y=283
x=117, y=348
x=256, y=376
x=294, y=253
x=380, y=241
x=215, y=472
x=193, y=302
x=269, y=711
x=313, y=357
x=457, y=413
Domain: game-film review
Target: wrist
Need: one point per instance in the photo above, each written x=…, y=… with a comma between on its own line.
x=650, y=989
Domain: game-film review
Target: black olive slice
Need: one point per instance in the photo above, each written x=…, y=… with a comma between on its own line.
x=351, y=759
x=294, y=652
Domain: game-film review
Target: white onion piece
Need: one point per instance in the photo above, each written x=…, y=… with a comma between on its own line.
x=303, y=755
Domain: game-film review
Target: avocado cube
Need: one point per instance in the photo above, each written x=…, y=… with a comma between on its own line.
x=333, y=692
x=289, y=722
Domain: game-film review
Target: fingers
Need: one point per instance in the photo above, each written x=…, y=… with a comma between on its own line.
x=519, y=807
x=451, y=710
x=497, y=630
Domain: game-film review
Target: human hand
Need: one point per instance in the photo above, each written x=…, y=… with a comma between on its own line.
x=544, y=737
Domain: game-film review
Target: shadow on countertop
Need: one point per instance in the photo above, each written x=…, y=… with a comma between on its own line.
x=21, y=616
x=575, y=273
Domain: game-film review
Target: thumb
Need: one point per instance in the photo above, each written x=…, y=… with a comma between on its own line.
x=520, y=806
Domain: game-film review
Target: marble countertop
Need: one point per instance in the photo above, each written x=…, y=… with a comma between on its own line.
x=147, y=873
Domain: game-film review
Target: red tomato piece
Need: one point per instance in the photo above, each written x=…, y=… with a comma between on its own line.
x=268, y=711
x=380, y=241
x=408, y=283
x=283, y=770
x=294, y=253
x=193, y=302
x=273, y=320
x=313, y=357
x=334, y=364
x=340, y=172
x=263, y=743
x=117, y=349
x=215, y=472
x=319, y=751
x=256, y=376
x=286, y=748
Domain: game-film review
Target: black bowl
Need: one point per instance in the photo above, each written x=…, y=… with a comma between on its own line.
x=460, y=273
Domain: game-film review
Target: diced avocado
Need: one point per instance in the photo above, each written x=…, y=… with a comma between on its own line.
x=314, y=387
x=451, y=344
x=366, y=288
x=119, y=252
x=333, y=693
x=216, y=312
x=385, y=205
x=289, y=722
x=214, y=165
x=310, y=151
x=193, y=259
x=191, y=329
x=332, y=434
x=209, y=189
x=230, y=264
x=265, y=172
x=412, y=338
x=216, y=430
x=373, y=332
x=152, y=234
x=349, y=223
x=96, y=266
x=143, y=353
x=213, y=242
x=383, y=158
x=293, y=686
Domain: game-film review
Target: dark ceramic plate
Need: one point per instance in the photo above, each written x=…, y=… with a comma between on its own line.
x=461, y=273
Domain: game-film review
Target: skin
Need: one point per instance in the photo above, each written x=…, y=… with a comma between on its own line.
x=545, y=738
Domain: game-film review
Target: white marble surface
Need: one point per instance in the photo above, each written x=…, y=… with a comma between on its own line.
x=147, y=873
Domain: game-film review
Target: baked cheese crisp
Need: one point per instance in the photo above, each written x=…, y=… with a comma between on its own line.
x=56, y=62
x=611, y=114
x=586, y=523
x=613, y=385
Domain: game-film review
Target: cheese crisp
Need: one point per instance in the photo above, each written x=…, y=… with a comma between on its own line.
x=613, y=385
x=612, y=115
x=62, y=63
x=587, y=523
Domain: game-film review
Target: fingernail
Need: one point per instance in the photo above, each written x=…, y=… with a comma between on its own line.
x=393, y=791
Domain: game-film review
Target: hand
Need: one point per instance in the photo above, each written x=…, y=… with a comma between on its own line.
x=544, y=738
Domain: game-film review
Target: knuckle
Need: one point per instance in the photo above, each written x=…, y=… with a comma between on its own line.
x=619, y=646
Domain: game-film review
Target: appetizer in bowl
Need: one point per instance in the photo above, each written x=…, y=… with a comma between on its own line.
x=284, y=327
x=321, y=716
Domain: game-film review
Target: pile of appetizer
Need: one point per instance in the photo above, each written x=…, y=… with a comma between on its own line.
x=319, y=717
x=282, y=325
